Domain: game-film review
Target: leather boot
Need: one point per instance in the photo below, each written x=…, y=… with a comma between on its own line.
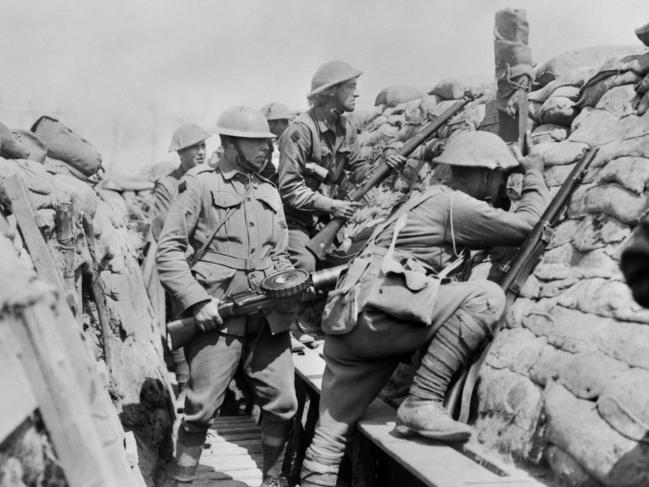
x=422, y=412
x=430, y=419
x=188, y=452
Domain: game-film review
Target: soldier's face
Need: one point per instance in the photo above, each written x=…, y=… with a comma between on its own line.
x=345, y=96
x=192, y=156
x=255, y=151
x=278, y=126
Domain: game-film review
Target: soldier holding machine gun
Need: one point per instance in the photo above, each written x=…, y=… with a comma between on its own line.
x=394, y=299
x=315, y=151
x=232, y=218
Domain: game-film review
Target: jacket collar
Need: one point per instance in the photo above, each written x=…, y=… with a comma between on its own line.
x=229, y=169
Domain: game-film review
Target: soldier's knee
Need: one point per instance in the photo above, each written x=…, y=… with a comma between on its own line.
x=486, y=303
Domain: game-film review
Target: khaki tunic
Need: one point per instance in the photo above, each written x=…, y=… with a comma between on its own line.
x=249, y=246
x=304, y=197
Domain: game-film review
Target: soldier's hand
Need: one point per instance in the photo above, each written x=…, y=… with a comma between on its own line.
x=206, y=315
x=396, y=162
x=533, y=161
x=344, y=209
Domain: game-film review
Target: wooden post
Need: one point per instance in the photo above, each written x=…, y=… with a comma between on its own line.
x=513, y=72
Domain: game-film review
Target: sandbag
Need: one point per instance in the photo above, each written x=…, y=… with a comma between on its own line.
x=630, y=172
x=574, y=78
x=575, y=426
x=618, y=100
x=643, y=34
x=549, y=133
x=597, y=87
x=624, y=404
x=611, y=199
x=10, y=148
x=589, y=57
x=64, y=144
x=457, y=87
x=558, y=110
x=393, y=95
x=37, y=151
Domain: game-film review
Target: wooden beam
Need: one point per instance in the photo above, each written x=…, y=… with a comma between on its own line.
x=17, y=401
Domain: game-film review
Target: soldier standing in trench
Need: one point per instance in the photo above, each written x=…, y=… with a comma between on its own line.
x=278, y=116
x=235, y=215
x=395, y=299
x=188, y=141
x=314, y=153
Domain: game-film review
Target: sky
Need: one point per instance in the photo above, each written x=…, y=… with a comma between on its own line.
x=125, y=73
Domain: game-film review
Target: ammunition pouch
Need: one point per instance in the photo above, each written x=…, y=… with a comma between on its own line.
x=396, y=286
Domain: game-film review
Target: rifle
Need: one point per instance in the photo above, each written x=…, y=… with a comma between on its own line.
x=280, y=286
x=516, y=273
x=320, y=244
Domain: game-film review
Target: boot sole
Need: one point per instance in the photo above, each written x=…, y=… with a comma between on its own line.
x=452, y=437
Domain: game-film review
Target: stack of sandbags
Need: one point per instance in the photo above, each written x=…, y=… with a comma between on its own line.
x=386, y=128
x=577, y=79
x=566, y=381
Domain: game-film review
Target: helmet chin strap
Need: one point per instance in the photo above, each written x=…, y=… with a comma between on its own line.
x=245, y=162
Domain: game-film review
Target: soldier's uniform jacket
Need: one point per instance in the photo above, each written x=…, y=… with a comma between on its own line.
x=440, y=223
x=311, y=140
x=166, y=188
x=249, y=245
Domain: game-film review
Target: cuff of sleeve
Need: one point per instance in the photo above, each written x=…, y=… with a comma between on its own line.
x=322, y=203
x=533, y=178
x=191, y=295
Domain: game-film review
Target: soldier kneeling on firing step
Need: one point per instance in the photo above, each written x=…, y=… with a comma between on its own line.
x=232, y=218
x=395, y=299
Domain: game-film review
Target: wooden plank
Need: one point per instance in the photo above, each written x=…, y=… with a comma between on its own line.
x=65, y=413
x=17, y=401
x=434, y=464
x=92, y=390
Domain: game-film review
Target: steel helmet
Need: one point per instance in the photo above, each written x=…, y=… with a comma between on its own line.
x=477, y=149
x=186, y=136
x=330, y=74
x=277, y=111
x=243, y=122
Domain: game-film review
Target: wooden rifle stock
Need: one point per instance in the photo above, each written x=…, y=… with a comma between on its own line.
x=320, y=244
x=517, y=272
x=181, y=331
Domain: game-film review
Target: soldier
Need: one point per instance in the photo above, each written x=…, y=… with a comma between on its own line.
x=278, y=116
x=315, y=151
x=395, y=299
x=189, y=142
x=232, y=218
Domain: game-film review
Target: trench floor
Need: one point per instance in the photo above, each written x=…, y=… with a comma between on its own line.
x=232, y=454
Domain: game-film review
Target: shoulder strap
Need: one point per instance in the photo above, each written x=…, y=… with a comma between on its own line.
x=201, y=251
x=409, y=205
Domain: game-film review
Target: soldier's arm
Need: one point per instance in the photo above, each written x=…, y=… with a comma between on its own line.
x=294, y=150
x=279, y=254
x=478, y=224
x=173, y=244
x=161, y=198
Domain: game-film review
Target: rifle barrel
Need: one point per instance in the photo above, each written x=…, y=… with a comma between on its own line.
x=320, y=244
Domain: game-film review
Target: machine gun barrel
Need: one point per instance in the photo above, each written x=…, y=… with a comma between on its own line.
x=256, y=301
